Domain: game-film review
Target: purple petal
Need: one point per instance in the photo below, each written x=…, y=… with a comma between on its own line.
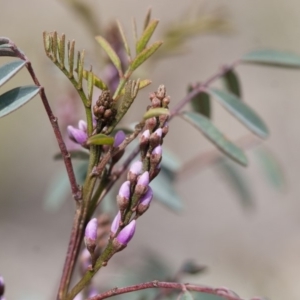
x=146, y=134
x=158, y=132
x=77, y=135
x=136, y=168
x=119, y=138
x=144, y=179
x=91, y=229
x=157, y=150
x=124, y=190
x=82, y=125
x=116, y=222
x=126, y=233
x=146, y=199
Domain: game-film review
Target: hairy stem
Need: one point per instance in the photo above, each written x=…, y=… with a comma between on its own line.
x=222, y=292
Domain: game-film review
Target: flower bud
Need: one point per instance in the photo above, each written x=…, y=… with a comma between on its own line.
x=135, y=170
x=2, y=286
x=126, y=233
x=156, y=102
x=90, y=236
x=124, y=195
x=119, y=138
x=151, y=123
x=165, y=129
x=144, y=140
x=142, y=184
x=155, y=138
x=166, y=101
x=144, y=202
x=116, y=223
x=82, y=125
x=156, y=155
x=85, y=260
x=77, y=135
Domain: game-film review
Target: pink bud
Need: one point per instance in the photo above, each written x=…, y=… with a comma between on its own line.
x=124, y=190
x=116, y=222
x=126, y=233
x=77, y=135
x=136, y=168
x=91, y=229
x=157, y=150
x=158, y=132
x=119, y=138
x=147, y=197
x=143, y=179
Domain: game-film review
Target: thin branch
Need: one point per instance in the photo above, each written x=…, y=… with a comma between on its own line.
x=76, y=191
x=221, y=292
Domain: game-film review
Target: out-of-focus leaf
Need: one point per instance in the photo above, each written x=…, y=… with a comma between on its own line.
x=110, y=52
x=214, y=135
x=16, y=97
x=201, y=103
x=76, y=154
x=142, y=84
x=271, y=167
x=186, y=295
x=232, y=83
x=124, y=39
x=238, y=182
x=6, y=50
x=59, y=188
x=146, y=36
x=155, y=112
x=170, y=161
x=192, y=268
x=165, y=193
x=8, y=70
x=241, y=111
x=100, y=139
x=203, y=296
x=273, y=58
x=144, y=55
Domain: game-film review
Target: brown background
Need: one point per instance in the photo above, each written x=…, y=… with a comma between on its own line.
x=253, y=252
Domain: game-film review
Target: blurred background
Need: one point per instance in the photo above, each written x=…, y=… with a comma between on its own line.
x=252, y=249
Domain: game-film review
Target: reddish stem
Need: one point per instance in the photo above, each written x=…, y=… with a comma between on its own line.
x=221, y=292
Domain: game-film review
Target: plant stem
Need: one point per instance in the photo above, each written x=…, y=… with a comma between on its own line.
x=221, y=292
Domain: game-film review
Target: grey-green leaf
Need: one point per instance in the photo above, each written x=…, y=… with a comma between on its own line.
x=165, y=193
x=215, y=136
x=241, y=111
x=201, y=103
x=232, y=83
x=6, y=50
x=155, y=112
x=15, y=98
x=8, y=70
x=273, y=58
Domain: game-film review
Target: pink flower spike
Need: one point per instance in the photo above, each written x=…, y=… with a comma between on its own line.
x=91, y=229
x=77, y=135
x=116, y=222
x=82, y=125
x=126, y=233
x=147, y=198
x=119, y=138
x=144, y=179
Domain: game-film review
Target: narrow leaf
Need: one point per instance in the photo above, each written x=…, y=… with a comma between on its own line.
x=146, y=36
x=6, y=50
x=241, y=111
x=186, y=295
x=100, y=139
x=144, y=55
x=215, y=136
x=110, y=52
x=273, y=58
x=124, y=39
x=8, y=70
x=232, y=83
x=147, y=18
x=165, y=193
x=192, y=268
x=97, y=81
x=155, y=112
x=201, y=103
x=16, y=97
x=4, y=40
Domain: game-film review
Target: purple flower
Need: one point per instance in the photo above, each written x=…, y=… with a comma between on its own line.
x=147, y=197
x=77, y=135
x=82, y=125
x=124, y=190
x=126, y=233
x=91, y=229
x=144, y=179
x=116, y=222
x=119, y=138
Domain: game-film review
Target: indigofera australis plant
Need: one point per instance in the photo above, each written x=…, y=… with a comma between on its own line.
x=99, y=136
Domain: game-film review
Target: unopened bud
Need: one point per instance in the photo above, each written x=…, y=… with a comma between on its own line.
x=166, y=102
x=142, y=184
x=77, y=135
x=144, y=202
x=116, y=223
x=156, y=155
x=156, y=102
x=126, y=233
x=90, y=235
x=161, y=91
x=124, y=195
x=163, y=119
x=155, y=138
x=135, y=170
x=119, y=138
x=165, y=129
x=151, y=123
